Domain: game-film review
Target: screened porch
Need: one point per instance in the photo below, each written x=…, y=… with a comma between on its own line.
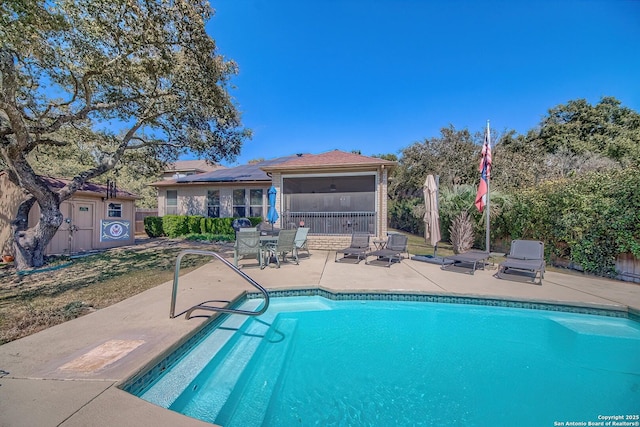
x=330, y=204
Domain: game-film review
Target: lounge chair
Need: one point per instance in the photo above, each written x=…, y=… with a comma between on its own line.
x=395, y=247
x=358, y=248
x=283, y=246
x=248, y=244
x=524, y=256
x=301, y=239
x=473, y=258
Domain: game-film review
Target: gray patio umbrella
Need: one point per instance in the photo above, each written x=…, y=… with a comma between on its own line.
x=431, y=215
x=272, y=215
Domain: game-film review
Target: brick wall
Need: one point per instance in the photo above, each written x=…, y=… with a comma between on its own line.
x=328, y=242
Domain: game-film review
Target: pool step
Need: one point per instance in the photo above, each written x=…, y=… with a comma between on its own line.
x=176, y=380
x=256, y=386
x=209, y=390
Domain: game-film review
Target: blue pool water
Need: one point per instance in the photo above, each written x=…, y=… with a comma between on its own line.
x=314, y=361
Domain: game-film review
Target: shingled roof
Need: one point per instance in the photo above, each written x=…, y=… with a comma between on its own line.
x=88, y=187
x=259, y=171
x=248, y=172
x=330, y=159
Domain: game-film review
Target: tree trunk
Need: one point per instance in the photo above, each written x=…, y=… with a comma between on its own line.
x=29, y=243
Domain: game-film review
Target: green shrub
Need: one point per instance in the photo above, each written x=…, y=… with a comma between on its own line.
x=401, y=216
x=223, y=226
x=193, y=223
x=153, y=226
x=206, y=225
x=175, y=225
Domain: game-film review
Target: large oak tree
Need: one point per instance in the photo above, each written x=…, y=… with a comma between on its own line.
x=124, y=80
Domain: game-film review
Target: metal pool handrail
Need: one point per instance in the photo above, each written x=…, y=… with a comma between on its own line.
x=206, y=307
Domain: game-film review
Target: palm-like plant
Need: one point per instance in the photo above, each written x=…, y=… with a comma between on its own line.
x=461, y=198
x=462, y=233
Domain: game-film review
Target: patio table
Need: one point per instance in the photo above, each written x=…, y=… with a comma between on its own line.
x=265, y=242
x=379, y=244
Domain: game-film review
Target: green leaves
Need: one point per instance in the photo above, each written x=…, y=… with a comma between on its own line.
x=590, y=219
x=86, y=82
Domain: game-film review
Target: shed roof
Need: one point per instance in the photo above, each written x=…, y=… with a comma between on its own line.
x=88, y=187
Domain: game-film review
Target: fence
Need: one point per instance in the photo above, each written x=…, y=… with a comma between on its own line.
x=331, y=222
x=141, y=214
x=628, y=267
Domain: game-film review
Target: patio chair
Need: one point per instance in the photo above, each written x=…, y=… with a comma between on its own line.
x=358, y=247
x=248, y=244
x=524, y=256
x=473, y=258
x=301, y=239
x=283, y=246
x=395, y=247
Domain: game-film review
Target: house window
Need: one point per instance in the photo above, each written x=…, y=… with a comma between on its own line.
x=213, y=203
x=239, y=203
x=255, y=201
x=114, y=210
x=172, y=202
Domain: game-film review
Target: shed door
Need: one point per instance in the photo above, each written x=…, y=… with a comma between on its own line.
x=83, y=222
x=60, y=243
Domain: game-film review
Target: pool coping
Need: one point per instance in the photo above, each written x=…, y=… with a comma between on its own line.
x=453, y=298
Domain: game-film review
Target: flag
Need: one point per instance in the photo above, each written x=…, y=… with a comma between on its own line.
x=485, y=170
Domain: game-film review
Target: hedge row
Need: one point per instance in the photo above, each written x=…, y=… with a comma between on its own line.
x=589, y=219
x=182, y=225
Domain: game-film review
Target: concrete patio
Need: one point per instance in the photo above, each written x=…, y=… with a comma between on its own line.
x=67, y=375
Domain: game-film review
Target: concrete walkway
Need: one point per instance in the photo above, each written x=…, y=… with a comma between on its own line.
x=67, y=375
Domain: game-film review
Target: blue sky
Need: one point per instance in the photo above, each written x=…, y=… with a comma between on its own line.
x=379, y=75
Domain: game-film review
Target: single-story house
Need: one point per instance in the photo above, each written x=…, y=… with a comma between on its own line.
x=94, y=218
x=334, y=193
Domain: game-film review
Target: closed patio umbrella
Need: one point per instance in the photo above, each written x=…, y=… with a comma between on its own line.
x=431, y=215
x=272, y=215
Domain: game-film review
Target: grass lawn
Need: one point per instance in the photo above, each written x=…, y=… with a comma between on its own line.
x=33, y=302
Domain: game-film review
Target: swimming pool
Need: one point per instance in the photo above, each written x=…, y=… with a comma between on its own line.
x=315, y=361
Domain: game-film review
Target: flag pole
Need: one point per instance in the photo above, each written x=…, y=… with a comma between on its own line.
x=487, y=235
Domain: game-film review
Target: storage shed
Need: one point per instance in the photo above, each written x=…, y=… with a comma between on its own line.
x=93, y=218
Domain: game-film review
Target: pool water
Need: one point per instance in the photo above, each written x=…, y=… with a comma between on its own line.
x=314, y=361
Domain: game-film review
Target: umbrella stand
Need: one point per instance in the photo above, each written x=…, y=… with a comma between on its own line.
x=272, y=215
x=432, y=220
